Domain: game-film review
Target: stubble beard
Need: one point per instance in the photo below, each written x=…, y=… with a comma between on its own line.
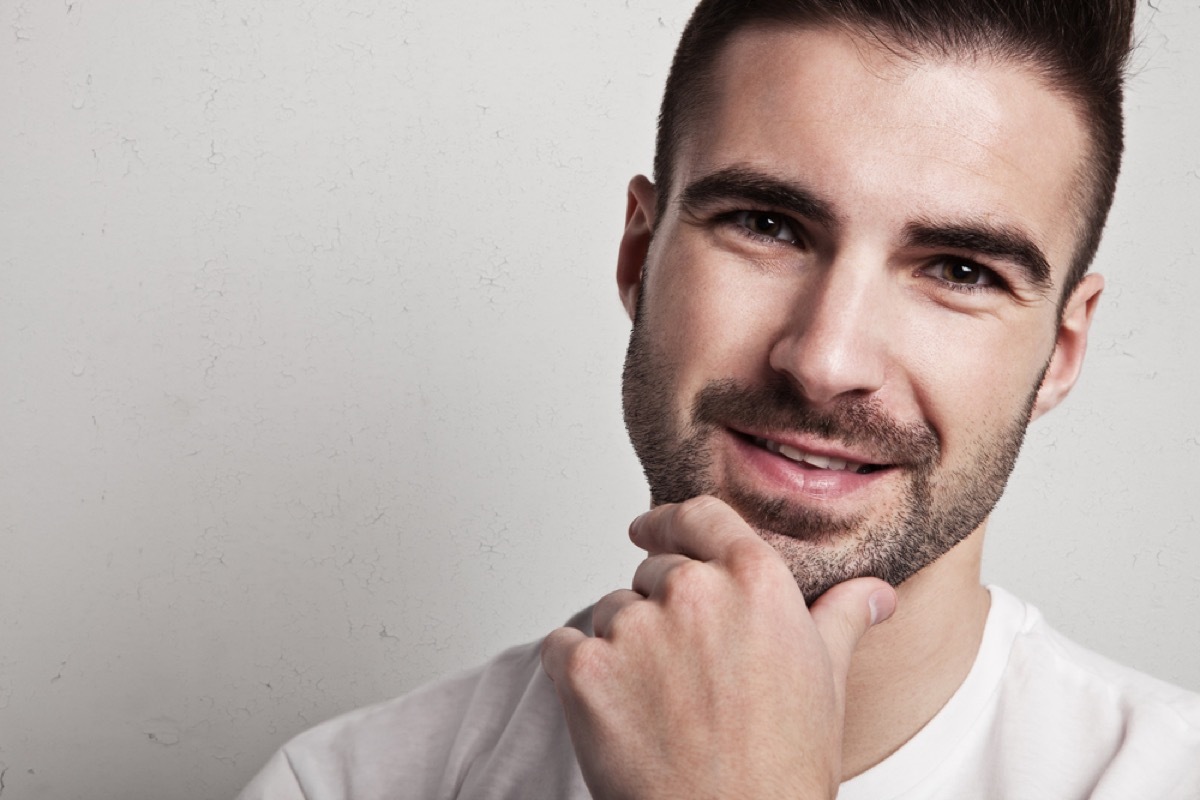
x=936, y=509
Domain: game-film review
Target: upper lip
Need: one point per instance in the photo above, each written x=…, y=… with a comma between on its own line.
x=814, y=446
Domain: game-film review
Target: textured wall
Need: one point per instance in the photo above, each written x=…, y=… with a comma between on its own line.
x=309, y=356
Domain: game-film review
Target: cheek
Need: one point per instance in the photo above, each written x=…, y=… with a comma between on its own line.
x=973, y=376
x=715, y=321
x=701, y=339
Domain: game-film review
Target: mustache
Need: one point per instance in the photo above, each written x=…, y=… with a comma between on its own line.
x=854, y=422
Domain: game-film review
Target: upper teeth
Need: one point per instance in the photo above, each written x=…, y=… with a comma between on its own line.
x=823, y=462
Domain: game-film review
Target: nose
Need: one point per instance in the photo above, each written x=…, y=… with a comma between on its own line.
x=836, y=342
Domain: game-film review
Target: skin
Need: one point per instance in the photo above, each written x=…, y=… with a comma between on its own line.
x=711, y=677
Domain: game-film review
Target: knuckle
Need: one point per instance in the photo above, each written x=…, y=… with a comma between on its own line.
x=747, y=554
x=611, y=612
x=609, y=604
x=629, y=619
x=686, y=582
x=556, y=642
x=585, y=664
x=755, y=563
x=695, y=510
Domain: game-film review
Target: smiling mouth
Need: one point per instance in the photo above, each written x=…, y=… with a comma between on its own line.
x=813, y=460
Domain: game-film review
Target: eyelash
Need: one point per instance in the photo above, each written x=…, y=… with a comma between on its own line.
x=739, y=219
x=996, y=282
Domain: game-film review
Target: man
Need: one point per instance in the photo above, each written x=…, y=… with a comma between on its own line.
x=861, y=271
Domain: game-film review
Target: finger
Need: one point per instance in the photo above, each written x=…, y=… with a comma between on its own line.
x=703, y=528
x=557, y=649
x=846, y=612
x=607, y=609
x=650, y=573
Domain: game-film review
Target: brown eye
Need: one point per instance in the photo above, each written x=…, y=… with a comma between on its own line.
x=766, y=223
x=964, y=273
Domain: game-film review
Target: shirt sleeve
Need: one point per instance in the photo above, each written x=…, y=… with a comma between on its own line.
x=276, y=781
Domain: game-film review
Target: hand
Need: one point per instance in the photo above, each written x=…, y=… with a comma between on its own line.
x=711, y=679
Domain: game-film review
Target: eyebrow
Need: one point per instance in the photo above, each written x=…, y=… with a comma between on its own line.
x=977, y=236
x=998, y=241
x=759, y=188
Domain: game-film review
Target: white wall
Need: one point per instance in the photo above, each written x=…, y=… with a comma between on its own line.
x=309, y=359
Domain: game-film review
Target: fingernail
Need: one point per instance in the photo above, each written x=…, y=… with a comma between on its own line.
x=882, y=604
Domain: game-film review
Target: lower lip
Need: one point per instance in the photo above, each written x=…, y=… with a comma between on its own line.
x=776, y=473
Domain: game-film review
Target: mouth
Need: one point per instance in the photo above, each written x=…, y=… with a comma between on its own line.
x=814, y=460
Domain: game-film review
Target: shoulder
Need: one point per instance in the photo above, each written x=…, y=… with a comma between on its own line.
x=476, y=734
x=1040, y=716
x=1046, y=662
x=1068, y=705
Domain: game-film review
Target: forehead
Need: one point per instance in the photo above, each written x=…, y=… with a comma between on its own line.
x=890, y=137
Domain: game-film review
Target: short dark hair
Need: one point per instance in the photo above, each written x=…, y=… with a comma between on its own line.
x=1079, y=47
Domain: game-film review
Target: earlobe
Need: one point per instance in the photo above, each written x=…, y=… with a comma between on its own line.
x=635, y=242
x=1070, y=345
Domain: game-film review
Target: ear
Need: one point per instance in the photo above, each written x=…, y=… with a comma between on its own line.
x=635, y=243
x=1070, y=346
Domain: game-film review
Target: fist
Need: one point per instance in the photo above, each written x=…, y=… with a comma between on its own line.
x=710, y=677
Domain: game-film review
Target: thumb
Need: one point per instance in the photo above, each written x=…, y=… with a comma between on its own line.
x=845, y=612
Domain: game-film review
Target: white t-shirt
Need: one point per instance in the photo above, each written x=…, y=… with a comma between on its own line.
x=1037, y=717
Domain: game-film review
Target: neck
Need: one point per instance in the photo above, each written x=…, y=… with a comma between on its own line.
x=906, y=669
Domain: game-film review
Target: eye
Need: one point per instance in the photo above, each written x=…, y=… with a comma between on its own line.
x=767, y=224
x=963, y=273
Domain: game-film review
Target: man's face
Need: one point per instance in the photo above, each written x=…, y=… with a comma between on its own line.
x=846, y=313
